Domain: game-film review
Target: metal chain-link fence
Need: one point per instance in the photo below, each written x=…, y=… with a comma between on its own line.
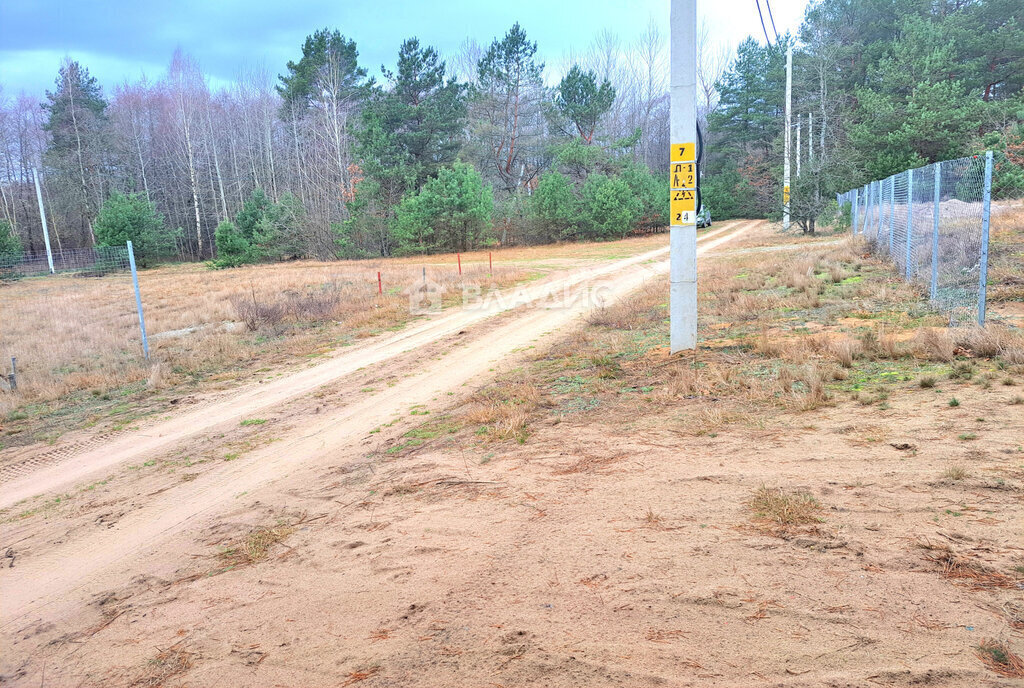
x=933, y=223
x=67, y=319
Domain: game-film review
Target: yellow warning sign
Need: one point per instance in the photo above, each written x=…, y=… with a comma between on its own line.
x=683, y=203
x=684, y=217
x=785, y=194
x=682, y=152
x=683, y=176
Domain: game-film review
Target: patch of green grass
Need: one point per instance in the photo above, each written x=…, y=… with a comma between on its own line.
x=967, y=436
x=405, y=445
x=570, y=384
x=954, y=402
x=433, y=430
x=961, y=371
x=254, y=421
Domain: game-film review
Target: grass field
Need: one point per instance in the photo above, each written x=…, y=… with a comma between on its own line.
x=79, y=349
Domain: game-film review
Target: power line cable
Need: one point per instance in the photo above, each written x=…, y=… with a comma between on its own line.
x=767, y=40
x=769, y=5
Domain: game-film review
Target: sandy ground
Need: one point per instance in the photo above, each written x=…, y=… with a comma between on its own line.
x=303, y=550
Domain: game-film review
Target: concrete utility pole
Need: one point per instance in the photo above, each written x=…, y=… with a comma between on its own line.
x=810, y=138
x=42, y=215
x=799, y=148
x=683, y=176
x=789, y=121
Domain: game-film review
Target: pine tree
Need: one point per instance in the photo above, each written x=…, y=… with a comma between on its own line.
x=232, y=247
x=452, y=212
x=507, y=103
x=78, y=128
x=133, y=218
x=327, y=57
x=10, y=243
x=554, y=207
x=582, y=101
x=410, y=130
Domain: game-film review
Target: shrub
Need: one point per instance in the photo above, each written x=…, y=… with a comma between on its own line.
x=133, y=218
x=554, y=208
x=451, y=212
x=653, y=193
x=609, y=208
x=10, y=252
x=232, y=247
x=279, y=233
x=727, y=195
x=9, y=240
x=273, y=231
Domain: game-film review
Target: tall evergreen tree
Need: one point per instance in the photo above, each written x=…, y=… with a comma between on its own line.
x=507, y=104
x=582, y=101
x=329, y=62
x=78, y=141
x=409, y=130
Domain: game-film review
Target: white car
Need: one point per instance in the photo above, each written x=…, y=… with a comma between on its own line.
x=703, y=217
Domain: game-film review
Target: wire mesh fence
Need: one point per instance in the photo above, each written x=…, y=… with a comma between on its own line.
x=933, y=223
x=67, y=325
x=95, y=261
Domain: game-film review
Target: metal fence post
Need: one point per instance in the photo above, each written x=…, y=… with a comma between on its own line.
x=138, y=300
x=867, y=208
x=881, y=204
x=874, y=199
x=853, y=211
x=42, y=216
x=892, y=211
x=935, y=232
x=910, y=219
x=985, y=214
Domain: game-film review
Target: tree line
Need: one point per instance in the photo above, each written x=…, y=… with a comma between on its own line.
x=478, y=149
x=879, y=86
x=327, y=162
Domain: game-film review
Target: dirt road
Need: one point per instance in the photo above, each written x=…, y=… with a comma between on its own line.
x=425, y=366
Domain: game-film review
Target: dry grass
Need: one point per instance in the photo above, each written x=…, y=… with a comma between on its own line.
x=1006, y=269
x=632, y=312
x=1013, y=610
x=846, y=351
x=166, y=665
x=502, y=412
x=255, y=546
x=589, y=464
x=998, y=657
x=935, y=344
x=75, y=334
x=803, y=388
x=778, y=509
x=967, y=571
x=955, y=473
x=777, y=332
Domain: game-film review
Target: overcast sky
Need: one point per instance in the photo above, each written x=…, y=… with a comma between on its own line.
x=120, y=40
